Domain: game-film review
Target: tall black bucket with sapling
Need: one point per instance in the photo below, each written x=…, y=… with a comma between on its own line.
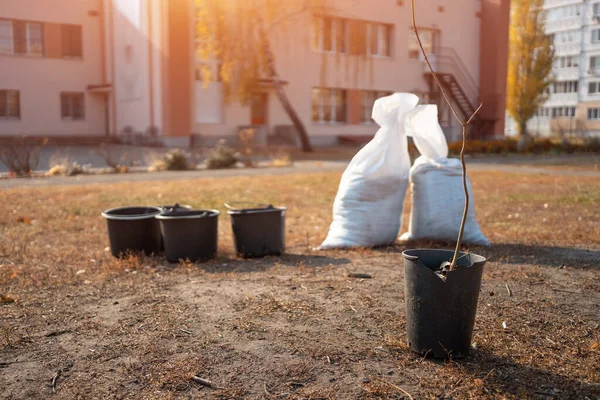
x=257, y=231
x=189, y=234
x=441, y=305
x=133, y=229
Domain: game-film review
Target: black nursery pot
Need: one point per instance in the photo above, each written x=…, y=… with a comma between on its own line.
x=258, y=232
x=133, y=229
x=440, y=315
x=189, y=234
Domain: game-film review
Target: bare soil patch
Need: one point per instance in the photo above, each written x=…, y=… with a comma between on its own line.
x=295, y=326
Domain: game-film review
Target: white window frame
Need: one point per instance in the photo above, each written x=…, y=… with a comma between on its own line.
x=563, y=12
x=11, y=32
x=593, y=114
x=596, y=9
x=71, y=106
x=28, y=38
x=336, y=23
x=563, y=112
x=332, y=106
x=596, y=88
x=381, y=39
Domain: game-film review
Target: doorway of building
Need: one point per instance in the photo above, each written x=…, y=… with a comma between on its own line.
x=259, y=105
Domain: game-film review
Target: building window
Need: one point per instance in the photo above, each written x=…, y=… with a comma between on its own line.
x=367, y=100
x=596, y=9
x=564, y=12
x=35, y=38
x=72, y=106
x=595, y=62
x=328, y=105
x=566, y=62
x=563, y=112
x=10, y=104
x=593, y=114
x=72, y=41
x=429, y=38
x=6, y=36
x=594, y=88
x=21, y=37
x=336, y=35
x=571, y=36
x=378, y=39
x=329, y=34
x=565, y=87
x=542, y=112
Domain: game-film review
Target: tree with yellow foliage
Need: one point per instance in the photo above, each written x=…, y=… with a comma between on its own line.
x=530, y=62
x=236, y=33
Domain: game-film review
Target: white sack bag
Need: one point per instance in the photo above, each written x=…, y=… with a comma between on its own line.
x=437, y=194
x=368, y=207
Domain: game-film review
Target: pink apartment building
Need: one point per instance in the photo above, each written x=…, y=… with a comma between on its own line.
x=110, y=68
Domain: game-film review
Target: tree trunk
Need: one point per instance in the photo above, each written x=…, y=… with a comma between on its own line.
x=524, y=138
x=281, y=95
x=289, y=109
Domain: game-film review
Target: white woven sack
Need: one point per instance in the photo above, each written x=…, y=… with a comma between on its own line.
x=436, y=185
x=368, y=207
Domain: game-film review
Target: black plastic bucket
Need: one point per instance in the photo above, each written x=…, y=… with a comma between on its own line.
x=189, y=234
x=133, y=229
x=258, y=231
x=440, y=315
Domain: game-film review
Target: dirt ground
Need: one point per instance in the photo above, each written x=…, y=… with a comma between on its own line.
x=76, y=323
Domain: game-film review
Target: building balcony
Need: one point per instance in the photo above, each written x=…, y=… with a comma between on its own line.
x=567, y=49
x=566, y=74
x=595, y=97
x=564, y=24
x=592, y=73
x=592, y=46
x=562, y=99
x=555, y=3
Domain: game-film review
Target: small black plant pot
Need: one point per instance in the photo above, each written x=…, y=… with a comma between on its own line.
x=133, y=229
x=440, y=314
x=258, y=232
x=189, y=234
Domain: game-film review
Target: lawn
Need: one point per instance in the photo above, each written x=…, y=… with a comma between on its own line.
x=295, y=326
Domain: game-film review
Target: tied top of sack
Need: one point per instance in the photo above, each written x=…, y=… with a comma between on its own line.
x=422, y=125
x=387, y=153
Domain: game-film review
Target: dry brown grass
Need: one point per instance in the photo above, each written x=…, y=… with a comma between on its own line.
x=294, y=326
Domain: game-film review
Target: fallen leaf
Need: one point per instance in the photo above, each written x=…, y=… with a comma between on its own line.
x=479, y=382
x=24, y=220
x=4, y=299
x=595, y=345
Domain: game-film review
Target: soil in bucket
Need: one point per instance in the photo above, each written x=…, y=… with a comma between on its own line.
x=189, y=234
x=133, y=229
x=258, y=231
x=440, y=313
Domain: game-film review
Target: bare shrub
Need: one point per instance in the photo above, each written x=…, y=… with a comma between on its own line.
x=221, y=157
x=174, y=160
x=21, y=156
x=117, y=162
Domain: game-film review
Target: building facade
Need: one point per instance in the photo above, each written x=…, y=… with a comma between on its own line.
x=129, y=68
x=573, y=106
